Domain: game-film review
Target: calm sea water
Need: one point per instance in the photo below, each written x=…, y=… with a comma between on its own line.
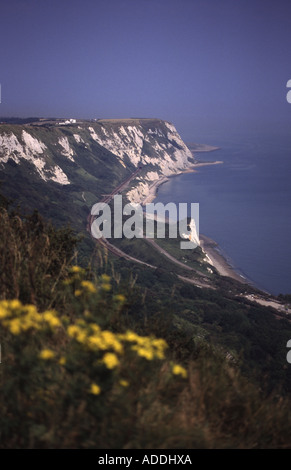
x=245, y=204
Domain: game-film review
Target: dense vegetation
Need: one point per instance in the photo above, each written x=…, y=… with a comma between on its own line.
x=102, y=353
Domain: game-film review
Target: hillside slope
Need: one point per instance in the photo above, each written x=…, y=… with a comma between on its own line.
x=65, y=164
x=63, y=168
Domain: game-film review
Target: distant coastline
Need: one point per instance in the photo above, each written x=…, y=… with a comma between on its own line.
x=209, y=246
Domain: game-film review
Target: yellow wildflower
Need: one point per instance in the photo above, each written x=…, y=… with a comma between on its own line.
x=117, y=346
x=26, y=323
x=179, y=370
x=95, y=389
x=95, y=327
x=96, y=342
x=31, y=310
x=78, y=292
x=160, y=344
x=89, y=286
x=124, y=383
x=15, y=304
x=46, y=354
x=147, y=353
x=76, y=269
x=78, y=333
x=82, y=337
x=105, y=278
x=111, y=341
x=73, y=330
x=51, y=318
x=130, y=336
x=62, y=361
x=15, y=326
x=110, y=360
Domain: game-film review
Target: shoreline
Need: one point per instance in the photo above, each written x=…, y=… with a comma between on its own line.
x=220, y=263
x=154, y=187
x=208, y=246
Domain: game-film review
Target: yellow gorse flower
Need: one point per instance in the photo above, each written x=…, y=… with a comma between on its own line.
x=77, y=332
x=148, y=347
x=107, y=345
x=51, y=318
x=89, y=287
x=15, y=326
x=95, y=342
x=94, y=338
x=110, y=360
x=179, y=370
x=130, y=336
x=147, y=353
x=15, y=304
x=124, y=383
x=95, y=389
x=111, y=341
x=76, y=269
x=95, y=328
x=47, y=354
x=18, y=318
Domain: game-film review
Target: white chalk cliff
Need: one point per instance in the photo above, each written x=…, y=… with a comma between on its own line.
x=150, y=144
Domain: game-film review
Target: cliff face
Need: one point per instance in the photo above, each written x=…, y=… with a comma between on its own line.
x=144, y=141
x=151, y=144
x=90, y=157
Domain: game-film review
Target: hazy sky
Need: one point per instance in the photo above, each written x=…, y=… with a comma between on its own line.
x=197, y=63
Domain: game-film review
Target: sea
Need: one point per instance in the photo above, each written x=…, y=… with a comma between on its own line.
x=244, y=203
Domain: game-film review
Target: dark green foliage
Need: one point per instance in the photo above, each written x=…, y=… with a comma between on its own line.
x=33, y=257
x=234, y=353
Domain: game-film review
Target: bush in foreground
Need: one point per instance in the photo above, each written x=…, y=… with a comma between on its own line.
x=67, y=382
x=74, y=375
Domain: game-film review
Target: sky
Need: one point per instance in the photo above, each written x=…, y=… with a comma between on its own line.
x=200, y=64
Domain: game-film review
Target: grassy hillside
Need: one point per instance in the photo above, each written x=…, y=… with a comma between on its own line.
x=113, y=355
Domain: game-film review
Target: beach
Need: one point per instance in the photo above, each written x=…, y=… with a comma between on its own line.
x=209, y=246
